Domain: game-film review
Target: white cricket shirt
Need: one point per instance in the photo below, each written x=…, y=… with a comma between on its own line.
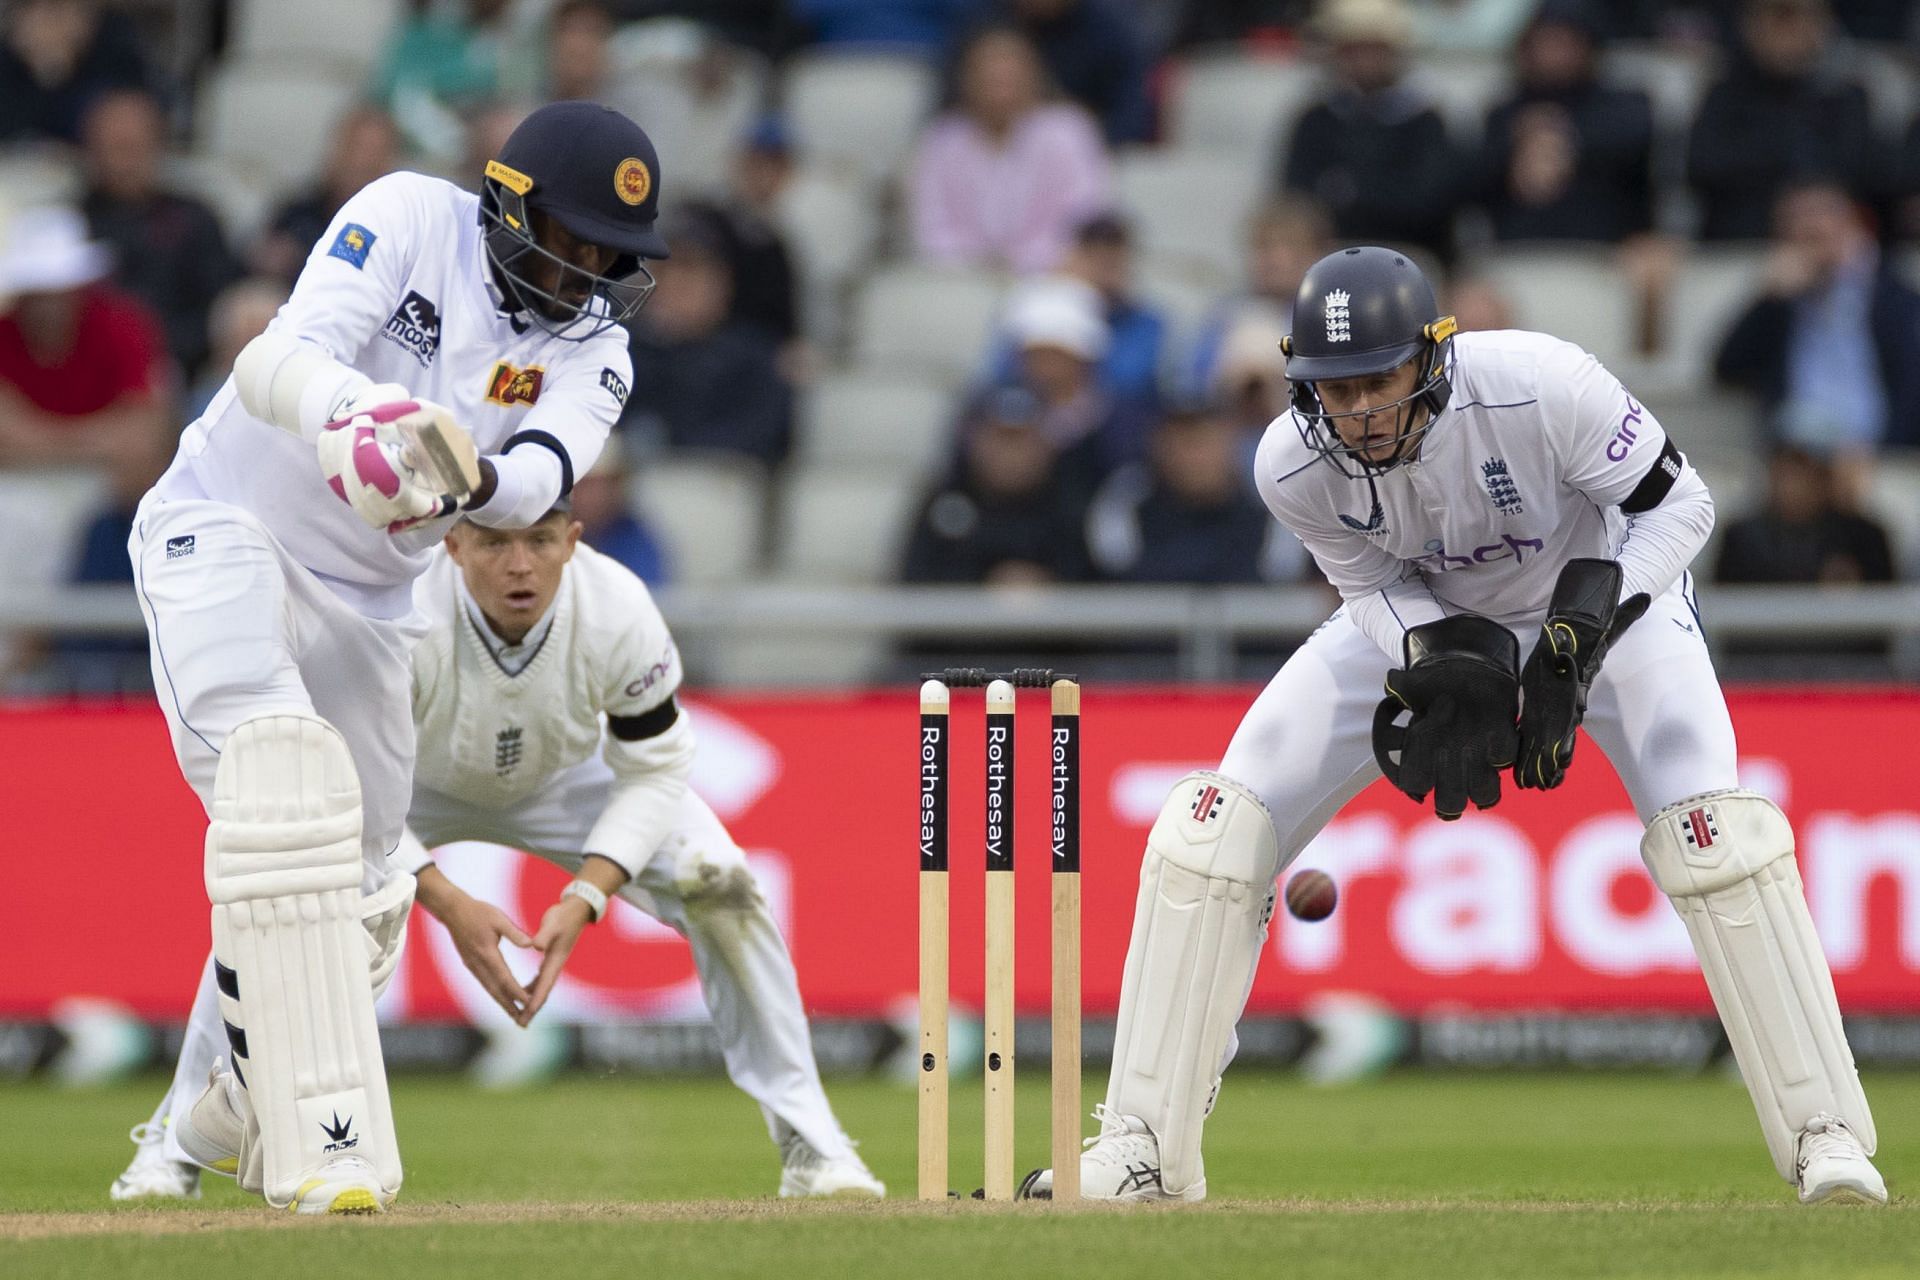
x=399, y=289
x=1523, y=470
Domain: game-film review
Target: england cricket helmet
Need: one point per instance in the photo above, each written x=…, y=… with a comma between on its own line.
x=1360, y=312
x=593, y=171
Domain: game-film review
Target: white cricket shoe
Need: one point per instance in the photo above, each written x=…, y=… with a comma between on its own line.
x=213, y=1130
x=805, y=1172
x=1123, y=1163
x=1833, y=1166
x=152, y=1176
x=344, y=1184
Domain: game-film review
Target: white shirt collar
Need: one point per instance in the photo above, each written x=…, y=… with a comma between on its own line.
x=513, y=658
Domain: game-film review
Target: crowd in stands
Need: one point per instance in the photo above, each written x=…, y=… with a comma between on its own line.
x=1099, y=423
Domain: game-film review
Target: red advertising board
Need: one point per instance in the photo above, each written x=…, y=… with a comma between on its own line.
x=1539, y=904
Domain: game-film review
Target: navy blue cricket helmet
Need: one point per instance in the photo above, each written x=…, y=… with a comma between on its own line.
x=1360, y=312
x=595, y=172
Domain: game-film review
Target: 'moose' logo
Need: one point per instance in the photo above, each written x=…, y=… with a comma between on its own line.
x=414, y=327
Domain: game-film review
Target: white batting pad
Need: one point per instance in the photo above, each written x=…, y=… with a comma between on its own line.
x=383, y=914
x=1206, y=894
x=291, y=956
x=1726, y=860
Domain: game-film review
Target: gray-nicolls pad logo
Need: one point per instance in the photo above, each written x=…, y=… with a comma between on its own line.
x=1338, y=329
x=414, y=327
x=337, y=1134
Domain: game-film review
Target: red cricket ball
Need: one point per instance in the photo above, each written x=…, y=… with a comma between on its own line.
x=1311, y=895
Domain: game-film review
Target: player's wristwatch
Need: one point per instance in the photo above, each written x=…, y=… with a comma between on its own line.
x=588, y=893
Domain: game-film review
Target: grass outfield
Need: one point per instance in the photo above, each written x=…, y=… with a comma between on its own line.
x=1417, y=1176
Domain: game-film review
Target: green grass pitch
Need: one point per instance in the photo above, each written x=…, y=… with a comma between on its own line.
x=1429, y=1176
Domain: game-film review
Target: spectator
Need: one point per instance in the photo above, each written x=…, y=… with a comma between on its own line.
x=57, y=56
x=1374, y=151
x=927, y=26
x=1249, y=383
x=241, y=313
x=1189, y=513
x=1002, y=178
x=1288, y=235
x=579, y=40
x=765, y=291
x=1261, y=23
x=366, y=145
x=83, y=366
x=1094, y=52
x=1002, y=518
x=601, y=505
x=1783, y=112
x=169, y=250
x=451, y=55
x=700, y=380
x=1102, y=256
x=487, y=130
x=1477, y=305
x=1566, y=157
x=1058, y=330
x=1803, y=534
x=1832, y=345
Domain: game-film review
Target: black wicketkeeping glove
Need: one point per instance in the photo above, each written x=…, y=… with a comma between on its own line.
x=1583, y=621
x=1461, y=683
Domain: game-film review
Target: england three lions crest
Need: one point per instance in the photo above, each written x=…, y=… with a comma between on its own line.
x=1339, y=323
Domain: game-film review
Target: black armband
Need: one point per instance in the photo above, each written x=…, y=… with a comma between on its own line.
x=648, y=724
x=546, y=440
x=1657, y=483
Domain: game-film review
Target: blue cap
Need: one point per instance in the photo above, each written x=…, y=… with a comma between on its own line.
x=592, y=169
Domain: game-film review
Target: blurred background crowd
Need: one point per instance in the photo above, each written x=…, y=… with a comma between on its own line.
x=990, y=291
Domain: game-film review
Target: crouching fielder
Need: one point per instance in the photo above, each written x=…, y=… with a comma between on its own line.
x=1473, y=498
x=544, y=693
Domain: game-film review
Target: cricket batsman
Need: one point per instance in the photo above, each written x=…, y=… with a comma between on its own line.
x=1509, y=530
x=442, y=354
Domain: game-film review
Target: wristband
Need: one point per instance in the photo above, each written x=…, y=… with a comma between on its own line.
x=588, y=893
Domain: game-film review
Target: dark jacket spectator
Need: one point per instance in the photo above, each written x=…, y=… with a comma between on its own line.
x=927, y=25
x=1832, y=347
x=765, y=282
x=57, y=57
x=700, y=380
x=1001, y=517
x=1802, y=535
x=1566, y=157
x=169, y=249
x=1189, y=515
x=1780, y=114
x=1094, y=52
x=366, y=145
x=1374, y=151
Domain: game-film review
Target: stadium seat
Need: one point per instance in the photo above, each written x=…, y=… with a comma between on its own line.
x=1893, y=498
x=43, y=513
x=861, y=110
x=1238, y=105
x=1673, y=78
x=1705, y=420
x=241, y=193
x=926, y=321
x=708, y=512
x=837, y=525
x=875, y=421
x=348, y=34
x=1463, y=85
x=1571, y=291
x=1714, y=286
x=276, y=115
x=1888, y=77
x=832, y=229
x=1190, y=203
x=697, y=97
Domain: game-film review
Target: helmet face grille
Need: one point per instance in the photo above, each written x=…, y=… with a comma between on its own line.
x=613, y=298
x=1318, y=427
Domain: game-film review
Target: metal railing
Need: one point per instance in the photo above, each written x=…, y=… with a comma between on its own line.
x=1205, y=628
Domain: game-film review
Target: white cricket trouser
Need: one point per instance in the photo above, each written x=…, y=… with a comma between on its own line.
x=698, y=884
x=1656, y=711
x=237, y=629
